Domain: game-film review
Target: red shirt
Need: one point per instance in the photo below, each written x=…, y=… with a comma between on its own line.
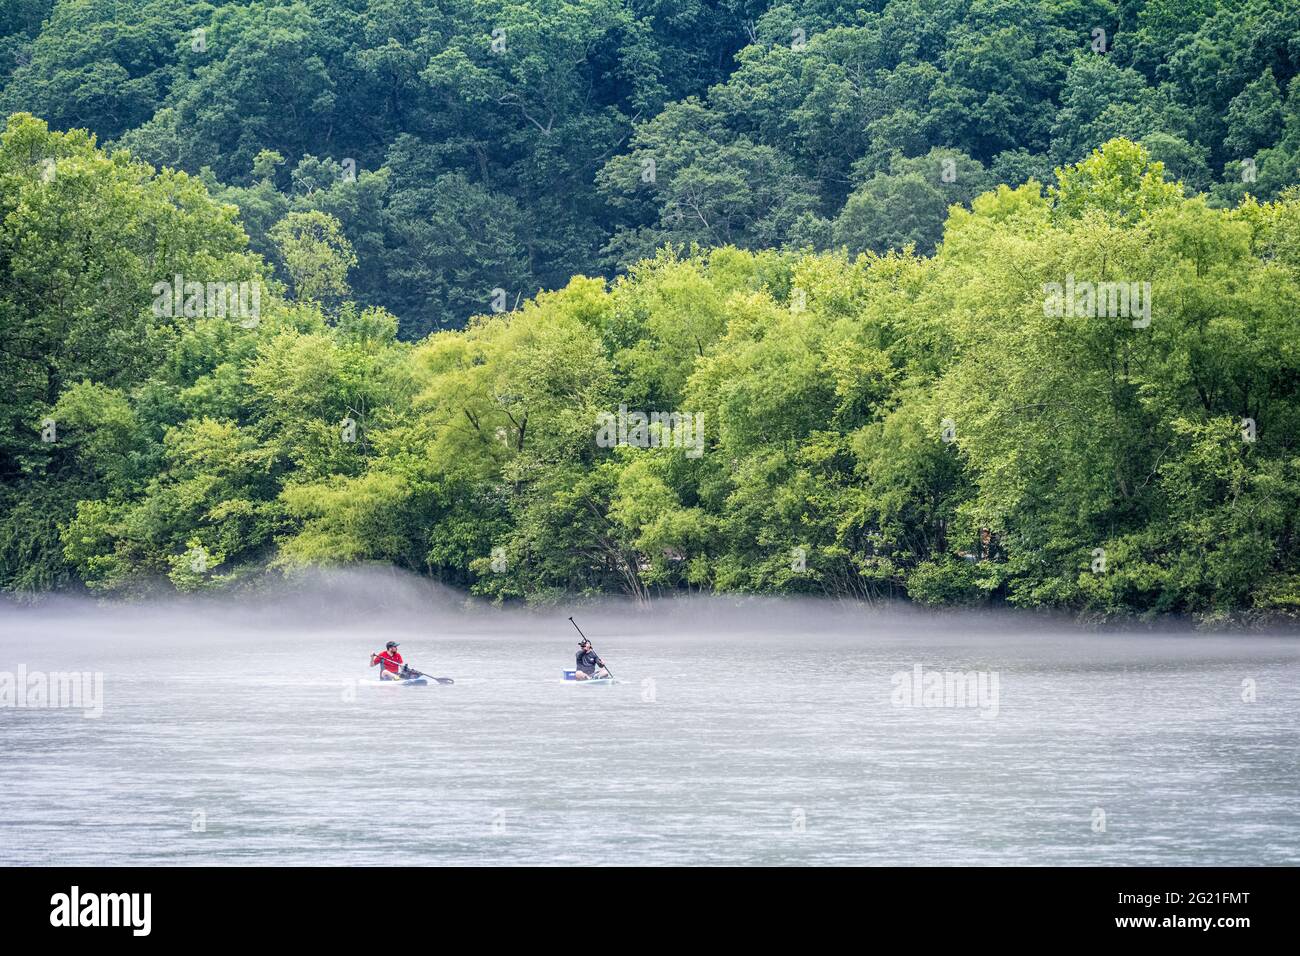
x=389, y=660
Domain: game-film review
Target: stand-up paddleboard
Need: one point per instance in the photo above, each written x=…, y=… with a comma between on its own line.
x=411, y=678
x=420, y=681
x=572, y=677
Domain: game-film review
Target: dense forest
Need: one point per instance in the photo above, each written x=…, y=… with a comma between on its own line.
x=962, y=302
x=468, y=146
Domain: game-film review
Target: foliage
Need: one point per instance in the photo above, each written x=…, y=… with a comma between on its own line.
x=471, y=146
x=870, y=426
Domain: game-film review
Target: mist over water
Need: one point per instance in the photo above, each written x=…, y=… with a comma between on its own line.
x=240, y=730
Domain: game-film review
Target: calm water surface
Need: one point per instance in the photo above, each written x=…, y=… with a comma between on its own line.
x=734, y=737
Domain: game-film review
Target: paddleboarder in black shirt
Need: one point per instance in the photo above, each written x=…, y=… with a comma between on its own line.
x=590, y=666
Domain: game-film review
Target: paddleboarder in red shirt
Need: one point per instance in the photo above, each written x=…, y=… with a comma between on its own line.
x=391, y=662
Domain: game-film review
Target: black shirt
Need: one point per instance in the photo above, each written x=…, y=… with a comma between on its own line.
x=587, y=661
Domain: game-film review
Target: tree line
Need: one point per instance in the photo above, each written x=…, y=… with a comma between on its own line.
x=1086, y=398
x=474, y=150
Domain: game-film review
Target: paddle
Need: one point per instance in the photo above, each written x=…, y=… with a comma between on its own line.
x=412, y=672
x=601, y=662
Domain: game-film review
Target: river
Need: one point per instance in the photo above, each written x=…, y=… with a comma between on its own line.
x=740, y=732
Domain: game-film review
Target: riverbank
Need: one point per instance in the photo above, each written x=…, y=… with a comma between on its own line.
x=365, y=591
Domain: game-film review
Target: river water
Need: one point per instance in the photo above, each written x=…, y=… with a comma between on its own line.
x=739, y=733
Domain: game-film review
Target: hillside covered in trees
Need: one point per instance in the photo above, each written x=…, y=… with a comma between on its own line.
x=949, y=301
x=476, y=151
x=940, y=428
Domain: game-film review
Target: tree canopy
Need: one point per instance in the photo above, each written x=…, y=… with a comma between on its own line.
x=1086, y=397
x=471, y=146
